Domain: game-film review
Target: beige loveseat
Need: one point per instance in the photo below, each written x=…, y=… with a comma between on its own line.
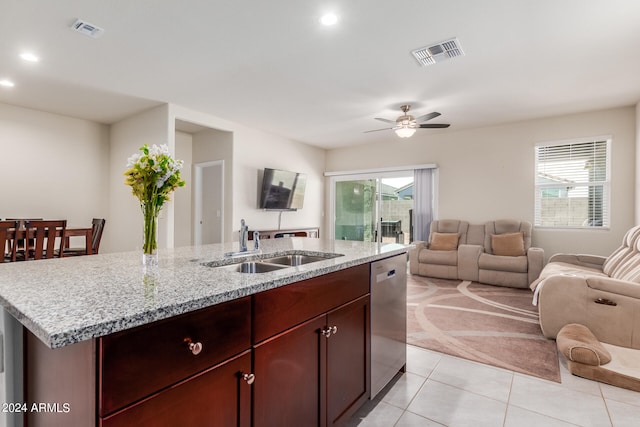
x=496, y=252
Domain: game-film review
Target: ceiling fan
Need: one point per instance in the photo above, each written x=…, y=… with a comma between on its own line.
x=406, y=125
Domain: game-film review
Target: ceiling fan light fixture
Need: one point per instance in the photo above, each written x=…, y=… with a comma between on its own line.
x=329, y=19
x=405, y=132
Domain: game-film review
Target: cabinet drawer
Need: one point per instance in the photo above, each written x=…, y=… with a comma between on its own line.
x=216, y=397
x=279, y=309
x=136, y=363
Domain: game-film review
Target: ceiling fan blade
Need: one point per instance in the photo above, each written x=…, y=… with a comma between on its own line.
x=434, y=126
x=393, y=122
x=376, y=130
x=427, y=117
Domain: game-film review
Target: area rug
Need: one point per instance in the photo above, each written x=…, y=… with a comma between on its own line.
x=493, y=325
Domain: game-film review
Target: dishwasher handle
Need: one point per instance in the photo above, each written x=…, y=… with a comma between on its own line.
x=385, y=275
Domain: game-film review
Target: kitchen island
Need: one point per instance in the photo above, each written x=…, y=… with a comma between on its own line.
x=99, y=326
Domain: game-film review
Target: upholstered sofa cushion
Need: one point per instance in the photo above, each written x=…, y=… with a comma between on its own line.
x=508, y=244
x=438, y=257
x=444, y=241
x=578, y=344
x=514, y=264
x=617, y=261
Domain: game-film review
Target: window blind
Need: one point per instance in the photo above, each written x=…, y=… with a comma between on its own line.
x=572, y=184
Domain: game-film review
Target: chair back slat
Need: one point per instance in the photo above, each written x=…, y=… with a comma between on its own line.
x=7, y=236
x=98, y=226
x=46, y=234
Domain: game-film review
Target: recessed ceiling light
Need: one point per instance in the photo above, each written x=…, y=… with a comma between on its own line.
x=329, y=19
x=27, y=56
x=6, y=83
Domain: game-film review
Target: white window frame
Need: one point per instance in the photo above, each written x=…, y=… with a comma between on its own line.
x=606, y=184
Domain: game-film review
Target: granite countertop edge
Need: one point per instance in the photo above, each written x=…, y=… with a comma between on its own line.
x=56, y=336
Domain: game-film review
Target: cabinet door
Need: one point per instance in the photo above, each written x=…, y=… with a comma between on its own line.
x=289, y=377
x=217, y=397
x=348, y=360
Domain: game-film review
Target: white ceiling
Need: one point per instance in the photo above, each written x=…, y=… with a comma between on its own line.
x=272, y=66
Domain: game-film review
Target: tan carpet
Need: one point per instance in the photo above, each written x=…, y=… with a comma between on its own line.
x=489, y=324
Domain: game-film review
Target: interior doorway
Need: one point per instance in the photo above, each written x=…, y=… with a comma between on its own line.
x=208, y=209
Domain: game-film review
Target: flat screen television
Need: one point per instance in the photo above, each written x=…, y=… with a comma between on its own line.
x=282, y=190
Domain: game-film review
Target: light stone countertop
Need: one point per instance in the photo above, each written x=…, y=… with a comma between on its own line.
x=68, y=300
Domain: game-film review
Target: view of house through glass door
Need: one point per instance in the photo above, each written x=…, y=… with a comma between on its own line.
x=374, y=208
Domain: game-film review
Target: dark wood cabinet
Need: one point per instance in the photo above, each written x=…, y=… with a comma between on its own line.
x=288, y=377
x=348, y=360
x=136, y=363
x=306, y=344
x=149, y=375
x=220, y=396
x=312, y=371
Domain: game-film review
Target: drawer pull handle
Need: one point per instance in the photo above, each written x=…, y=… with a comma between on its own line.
x=329, y=330
x=604, y=301
x=249, y=378
x=194, y=347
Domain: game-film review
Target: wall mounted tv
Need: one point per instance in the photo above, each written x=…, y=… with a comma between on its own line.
x=282, y=190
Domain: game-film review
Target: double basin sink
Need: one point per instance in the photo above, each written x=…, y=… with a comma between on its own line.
x=277, y=263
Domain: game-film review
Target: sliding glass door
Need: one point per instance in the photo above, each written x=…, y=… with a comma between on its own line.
x=373, y=208
x=356, y=210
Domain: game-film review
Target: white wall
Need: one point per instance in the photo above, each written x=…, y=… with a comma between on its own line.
x=54, y=167
x=183, y=232
x=637, y=174
x=253, y=150
x=488, y=173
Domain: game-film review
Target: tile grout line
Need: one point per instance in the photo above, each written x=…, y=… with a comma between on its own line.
x=506, y=411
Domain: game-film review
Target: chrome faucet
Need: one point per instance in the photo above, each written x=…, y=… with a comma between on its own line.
x=256, y=241
x=244, y=235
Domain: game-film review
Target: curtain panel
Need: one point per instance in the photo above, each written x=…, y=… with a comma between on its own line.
x=422, y=203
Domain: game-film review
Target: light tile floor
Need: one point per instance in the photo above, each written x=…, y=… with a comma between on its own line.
x=441, y=390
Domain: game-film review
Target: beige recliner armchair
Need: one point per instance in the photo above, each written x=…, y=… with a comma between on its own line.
x=508, y=258
x=439, y=256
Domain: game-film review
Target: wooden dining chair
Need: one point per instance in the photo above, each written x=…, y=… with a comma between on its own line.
x=45, y=233
x=7, y=243
x=21, y=244
x=97, y=226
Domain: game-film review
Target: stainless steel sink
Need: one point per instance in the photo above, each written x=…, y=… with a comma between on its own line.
x=294, y=260
x=265, y=265
x=254, y=267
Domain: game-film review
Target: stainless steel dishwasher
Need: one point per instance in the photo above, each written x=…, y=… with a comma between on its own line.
x=388, y=320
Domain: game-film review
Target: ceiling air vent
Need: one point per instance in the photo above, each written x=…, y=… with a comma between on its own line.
x=87, y=29
x=438, y=52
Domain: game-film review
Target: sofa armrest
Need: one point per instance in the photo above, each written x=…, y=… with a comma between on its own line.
x=413, y=256
x=591, y=261
x=561, y=300
x=535, y=263
x=468, y=256
x=614, y=286
x=606, y=306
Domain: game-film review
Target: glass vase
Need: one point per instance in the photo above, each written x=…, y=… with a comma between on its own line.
x=150, y=238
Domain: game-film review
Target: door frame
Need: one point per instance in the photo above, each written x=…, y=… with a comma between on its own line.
x=197, y=199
